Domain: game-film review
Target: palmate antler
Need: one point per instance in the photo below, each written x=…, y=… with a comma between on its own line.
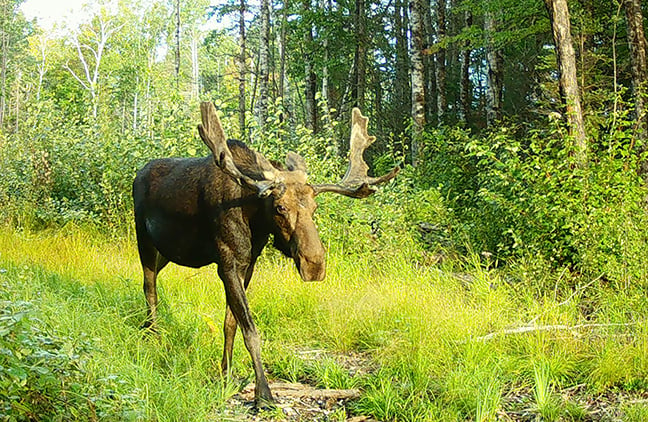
x=212, y=133
x=356, y=183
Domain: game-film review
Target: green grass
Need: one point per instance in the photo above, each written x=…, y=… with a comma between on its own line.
x=418, y=330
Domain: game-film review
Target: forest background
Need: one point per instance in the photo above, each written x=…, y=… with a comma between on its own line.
x=521, y=126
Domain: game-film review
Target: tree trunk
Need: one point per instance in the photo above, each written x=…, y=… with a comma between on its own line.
x=429, y=67
x=637, y=43
x=402, y=85
x=495, y=61
x=418, y=76
x=283, y=84
x=327, y=6
x=360, y=77
x=282, y=55
x=465, y=88
x=242, y=68
x=311, y=78
x=441, y=62
x=559, y=17
x=177, y=49
x=264, y=64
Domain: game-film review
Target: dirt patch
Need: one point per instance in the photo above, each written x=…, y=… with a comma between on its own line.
x=574, y=402
x=295, y=402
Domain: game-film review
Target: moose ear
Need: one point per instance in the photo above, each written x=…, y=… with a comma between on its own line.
x=295, y=162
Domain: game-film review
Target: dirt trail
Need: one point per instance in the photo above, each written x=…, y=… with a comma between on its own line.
x=296, y=402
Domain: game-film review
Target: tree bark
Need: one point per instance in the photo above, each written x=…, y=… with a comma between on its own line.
x=264, y=64
x=465, y=88
x=242, y=68
x=282, y=55
x=418, y=76
x=566, y=57
x=637, y=44
x=441, y=62
x=326, y=6
x=360, y=77
x=177, y=49
x=311, y=78
x=495, y=61
x=402, y=85
x=429, y=67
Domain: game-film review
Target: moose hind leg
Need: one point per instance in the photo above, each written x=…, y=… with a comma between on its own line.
x=229, y=332
x=152, y=263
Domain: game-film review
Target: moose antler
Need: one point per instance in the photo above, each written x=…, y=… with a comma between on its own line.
x=212, y=133
x=356, y=183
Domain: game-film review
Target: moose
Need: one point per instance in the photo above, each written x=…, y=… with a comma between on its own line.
x=223, y=208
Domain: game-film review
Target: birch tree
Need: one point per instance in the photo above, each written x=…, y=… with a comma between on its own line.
x=310, y=84
x=177, y=44
x=264, y=64
x=495, y=63
x=566, y=58
x=90, y=42
x=242, y=68
x=465, y=89
x=440, y=58
x=418, y=75
x=639, y=68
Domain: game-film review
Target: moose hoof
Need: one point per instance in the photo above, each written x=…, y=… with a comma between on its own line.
x=149, y=327
x=265, y=403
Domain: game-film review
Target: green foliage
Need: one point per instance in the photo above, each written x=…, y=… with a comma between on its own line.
x=516, y=197
x=45, y=374
x=81, y=174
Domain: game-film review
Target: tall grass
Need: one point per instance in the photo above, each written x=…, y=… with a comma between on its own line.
x=418, y=330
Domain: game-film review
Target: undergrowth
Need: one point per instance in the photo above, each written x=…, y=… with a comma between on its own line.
x=429, y=342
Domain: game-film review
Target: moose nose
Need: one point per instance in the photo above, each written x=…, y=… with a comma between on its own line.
x=312, y=270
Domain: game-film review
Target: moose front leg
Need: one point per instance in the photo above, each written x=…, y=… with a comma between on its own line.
x=230, y=325
x=237, y=303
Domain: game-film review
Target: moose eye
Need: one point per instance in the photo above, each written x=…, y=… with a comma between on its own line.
x=281, y=209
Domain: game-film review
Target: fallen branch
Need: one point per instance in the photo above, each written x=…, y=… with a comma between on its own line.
x=296, y=390
x=559, y=327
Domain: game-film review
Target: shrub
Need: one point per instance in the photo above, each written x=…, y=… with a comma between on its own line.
x=516, y=196
x=43, y=374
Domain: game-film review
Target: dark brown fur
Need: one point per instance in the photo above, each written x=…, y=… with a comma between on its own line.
x=188, y=211
x=223, y=208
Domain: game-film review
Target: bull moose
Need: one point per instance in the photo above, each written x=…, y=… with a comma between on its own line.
x=223, y=208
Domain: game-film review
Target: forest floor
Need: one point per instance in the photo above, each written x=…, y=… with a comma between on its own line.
x=374, y=342
x=298, y=402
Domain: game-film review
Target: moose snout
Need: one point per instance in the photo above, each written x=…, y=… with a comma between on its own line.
x=311, y=270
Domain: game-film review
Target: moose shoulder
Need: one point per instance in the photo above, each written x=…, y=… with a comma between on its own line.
x=223, y=208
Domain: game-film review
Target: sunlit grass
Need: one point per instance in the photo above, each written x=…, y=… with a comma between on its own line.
x=420, y=330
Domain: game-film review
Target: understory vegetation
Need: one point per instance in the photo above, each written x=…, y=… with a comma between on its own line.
x=502, y=275
x=436, y=342
x=497, y=279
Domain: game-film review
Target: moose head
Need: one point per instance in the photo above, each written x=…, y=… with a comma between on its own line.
x=291, y=197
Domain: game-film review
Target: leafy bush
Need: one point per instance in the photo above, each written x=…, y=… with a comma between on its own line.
x=44, y=374
x=516, y=196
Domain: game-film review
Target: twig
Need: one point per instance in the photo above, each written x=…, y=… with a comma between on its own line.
x=559, y=327
x=566, y=301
